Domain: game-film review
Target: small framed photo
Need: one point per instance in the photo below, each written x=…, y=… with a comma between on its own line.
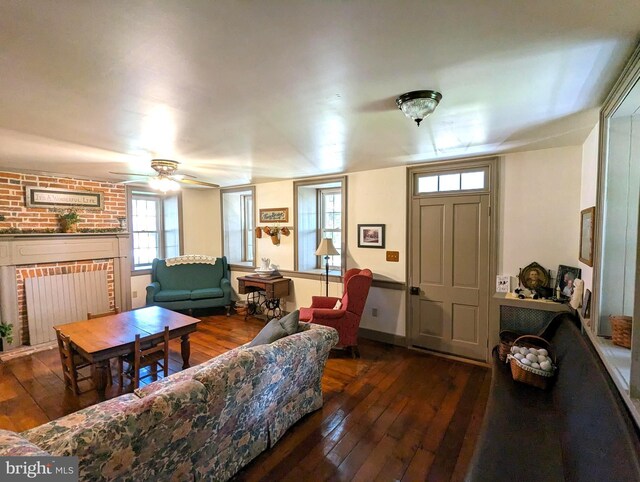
x=371, y=235
x=567, y=275
x=274, y=215
x=587, y=221
x=503, y=283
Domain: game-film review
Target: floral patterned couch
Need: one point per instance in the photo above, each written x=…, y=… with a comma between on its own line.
x=204, y=423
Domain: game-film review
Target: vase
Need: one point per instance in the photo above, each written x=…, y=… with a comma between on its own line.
x=275, y=239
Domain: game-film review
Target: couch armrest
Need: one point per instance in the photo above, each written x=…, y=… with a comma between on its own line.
x=152, y=290
x=13, y=444
x=323, y=301
x=225, y=285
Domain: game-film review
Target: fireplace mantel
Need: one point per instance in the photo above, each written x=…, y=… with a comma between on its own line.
x=18, y=250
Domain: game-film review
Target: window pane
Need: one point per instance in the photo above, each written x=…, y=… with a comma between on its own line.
x=473, y=180
x=145, y=231
x=171, y=227
x=428, y=184
x=450, y=182
x=237, y=222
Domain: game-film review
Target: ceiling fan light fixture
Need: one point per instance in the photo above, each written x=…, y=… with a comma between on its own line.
x=418, y=104
x=163, y=184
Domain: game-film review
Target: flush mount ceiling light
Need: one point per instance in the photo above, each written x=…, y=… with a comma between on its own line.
x=418, y=104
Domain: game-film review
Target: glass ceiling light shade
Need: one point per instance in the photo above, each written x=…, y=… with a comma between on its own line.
x=163, y=184
x=418, y=104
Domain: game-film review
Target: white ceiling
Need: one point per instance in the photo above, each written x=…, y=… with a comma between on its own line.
x=248, y=91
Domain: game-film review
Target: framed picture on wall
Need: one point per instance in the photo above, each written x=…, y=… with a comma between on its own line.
x=370, y=235
x=274, y=215
x=587, y=221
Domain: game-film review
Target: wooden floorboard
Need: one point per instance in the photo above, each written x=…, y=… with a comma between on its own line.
x=393, y=414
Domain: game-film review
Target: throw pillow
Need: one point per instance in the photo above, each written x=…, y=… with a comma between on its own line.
x=338, y=305
x=277, y=328
x=290, y=322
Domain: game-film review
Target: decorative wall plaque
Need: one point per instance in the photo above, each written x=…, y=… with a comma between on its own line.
x=39, y=197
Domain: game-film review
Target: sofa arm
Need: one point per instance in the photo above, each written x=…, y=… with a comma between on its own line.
x=152, y=290
x=323, y=301
x=225, y=285
x=12, y=444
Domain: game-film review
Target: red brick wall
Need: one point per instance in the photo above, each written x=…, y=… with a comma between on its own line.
x=50, y=269
x=18, y=215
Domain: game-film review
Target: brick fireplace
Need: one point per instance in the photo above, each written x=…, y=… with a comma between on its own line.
x=29, y=256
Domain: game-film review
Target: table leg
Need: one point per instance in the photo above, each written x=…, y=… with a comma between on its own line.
x=100, y=376
x=185, y=348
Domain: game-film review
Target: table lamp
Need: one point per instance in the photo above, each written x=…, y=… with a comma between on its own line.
x=326, y=249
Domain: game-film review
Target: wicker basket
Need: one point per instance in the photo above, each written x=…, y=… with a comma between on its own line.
x=526, y=374
x=621, y=330
x=507, y=338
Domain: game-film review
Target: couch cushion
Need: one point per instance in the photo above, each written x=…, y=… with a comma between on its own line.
x=13, y=445
x=173, y=295
x=204, y=293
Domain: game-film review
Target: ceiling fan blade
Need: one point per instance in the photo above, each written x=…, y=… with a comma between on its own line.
x=180, y=177
x=130, y=174
x=198, y=183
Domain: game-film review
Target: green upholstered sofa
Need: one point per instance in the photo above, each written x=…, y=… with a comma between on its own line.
x=188, y=286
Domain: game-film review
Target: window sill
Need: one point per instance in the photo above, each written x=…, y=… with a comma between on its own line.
x=141, y=272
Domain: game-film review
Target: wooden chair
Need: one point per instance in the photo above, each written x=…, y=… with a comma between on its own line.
x=72, y=363
x=92, y=316
x=144, y=356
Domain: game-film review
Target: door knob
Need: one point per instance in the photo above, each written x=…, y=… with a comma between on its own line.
x=415, y=290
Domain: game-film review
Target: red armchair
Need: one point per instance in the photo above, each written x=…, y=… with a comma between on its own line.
x=346, y=319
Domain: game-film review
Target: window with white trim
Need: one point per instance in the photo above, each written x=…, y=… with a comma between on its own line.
x=238, y=225
x=155, y=227
x=320, y=213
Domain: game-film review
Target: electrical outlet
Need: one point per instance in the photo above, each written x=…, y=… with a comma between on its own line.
x=134, y=294
x=374, y=312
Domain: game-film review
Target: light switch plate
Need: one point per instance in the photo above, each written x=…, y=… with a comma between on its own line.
x=393, y=256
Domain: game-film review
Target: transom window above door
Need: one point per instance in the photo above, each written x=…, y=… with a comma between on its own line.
x=449, y=182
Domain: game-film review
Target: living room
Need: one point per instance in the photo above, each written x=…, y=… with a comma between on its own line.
x=307, y=101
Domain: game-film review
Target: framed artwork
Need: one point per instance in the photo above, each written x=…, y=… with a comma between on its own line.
x=534, y=276
x=587, y=221
x=565, y=280
x=371, y=235
x=586, y=305
x=274, y=215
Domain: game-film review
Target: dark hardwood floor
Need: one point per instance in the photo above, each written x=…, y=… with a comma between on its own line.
x=393, y=414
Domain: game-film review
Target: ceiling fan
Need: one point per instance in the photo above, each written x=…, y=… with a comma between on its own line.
x=166, y=178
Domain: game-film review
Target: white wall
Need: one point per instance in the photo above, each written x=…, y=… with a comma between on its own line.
x=201, y=221
x=539, y=209
x=589, y=189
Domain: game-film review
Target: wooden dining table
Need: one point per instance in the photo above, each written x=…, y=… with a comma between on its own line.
x=100, y=339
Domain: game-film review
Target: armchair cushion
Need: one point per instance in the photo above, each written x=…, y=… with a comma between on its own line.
x=173, y=295
x=327, y=313
x=204, y=293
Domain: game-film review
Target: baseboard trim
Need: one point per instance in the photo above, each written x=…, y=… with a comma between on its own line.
x=382, y=337
x=469, y=361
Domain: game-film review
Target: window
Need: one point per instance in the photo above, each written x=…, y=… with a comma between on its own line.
x=320, y=213
x=155, y=227
x=330, y=223
x=473, y=180
x=237, y=220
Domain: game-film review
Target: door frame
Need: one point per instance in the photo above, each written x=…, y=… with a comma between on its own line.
x=492, y=164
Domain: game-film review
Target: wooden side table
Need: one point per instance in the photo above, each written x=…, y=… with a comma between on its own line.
x=264, y=294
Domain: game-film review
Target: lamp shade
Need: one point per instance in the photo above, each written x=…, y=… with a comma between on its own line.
x=326, y=248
